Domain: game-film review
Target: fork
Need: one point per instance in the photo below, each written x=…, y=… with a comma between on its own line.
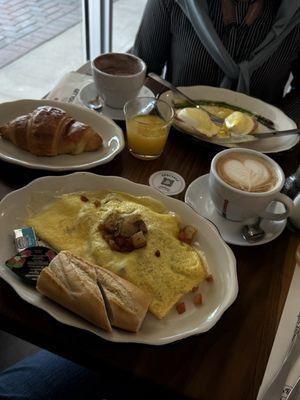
x=214, y=118
x=274, y=391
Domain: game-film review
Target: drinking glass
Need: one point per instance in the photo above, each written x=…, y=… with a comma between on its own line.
x=148, y=122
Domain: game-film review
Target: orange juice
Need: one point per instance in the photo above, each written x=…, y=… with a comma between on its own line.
x=147, y=135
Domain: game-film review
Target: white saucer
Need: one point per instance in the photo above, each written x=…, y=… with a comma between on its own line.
x=197, y=196
x=89, y=92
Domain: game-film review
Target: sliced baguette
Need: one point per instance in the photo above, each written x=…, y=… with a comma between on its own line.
x=124, y=304
x=74, y=286
x=127, y=304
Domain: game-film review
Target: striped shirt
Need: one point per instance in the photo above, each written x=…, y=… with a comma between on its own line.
x=167, y=38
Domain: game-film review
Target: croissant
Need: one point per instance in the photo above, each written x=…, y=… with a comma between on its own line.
x=49, y=131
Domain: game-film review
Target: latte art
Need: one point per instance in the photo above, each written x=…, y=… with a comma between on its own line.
x=247, y=172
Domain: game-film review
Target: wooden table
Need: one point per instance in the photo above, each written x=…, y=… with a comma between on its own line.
x=226, y=363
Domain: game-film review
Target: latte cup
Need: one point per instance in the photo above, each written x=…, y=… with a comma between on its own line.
x=244, y=184
x=118, y=77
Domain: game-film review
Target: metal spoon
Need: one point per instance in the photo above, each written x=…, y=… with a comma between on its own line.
x=95, y=104
x=253, y=233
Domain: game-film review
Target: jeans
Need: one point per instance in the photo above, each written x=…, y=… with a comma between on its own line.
x=45, y=376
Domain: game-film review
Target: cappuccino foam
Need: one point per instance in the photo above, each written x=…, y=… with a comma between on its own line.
x=247, y=172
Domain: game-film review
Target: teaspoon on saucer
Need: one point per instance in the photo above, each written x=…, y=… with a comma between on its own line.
x=95, y=104
x=253, y=233
x=197, y=196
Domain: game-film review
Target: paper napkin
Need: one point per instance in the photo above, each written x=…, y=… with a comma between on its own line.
x=68, y=87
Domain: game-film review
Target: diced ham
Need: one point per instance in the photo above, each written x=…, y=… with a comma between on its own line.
x=180, y=307
x=198, y=299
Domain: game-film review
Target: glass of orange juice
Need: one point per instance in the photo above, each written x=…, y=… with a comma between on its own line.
x=148, y=122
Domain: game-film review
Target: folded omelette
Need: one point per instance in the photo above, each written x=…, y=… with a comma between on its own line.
x=72, y=222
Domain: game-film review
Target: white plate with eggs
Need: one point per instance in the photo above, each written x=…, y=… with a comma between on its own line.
x=256, y=106
x=217, y=296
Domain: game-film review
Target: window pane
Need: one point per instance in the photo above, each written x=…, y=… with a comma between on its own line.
x=40, y=40
x=127, y=16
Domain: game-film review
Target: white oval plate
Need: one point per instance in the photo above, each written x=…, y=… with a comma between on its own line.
x=218, y=296
x=112, y=135
x=281, y=121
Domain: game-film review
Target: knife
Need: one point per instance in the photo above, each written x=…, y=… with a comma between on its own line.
x=242, y=138
x=295, y=392
x=257, y=136
x=270, y=134
x=274, y=390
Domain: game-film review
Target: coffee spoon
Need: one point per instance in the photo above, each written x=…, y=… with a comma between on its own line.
x=253, y=233
x=95, y=104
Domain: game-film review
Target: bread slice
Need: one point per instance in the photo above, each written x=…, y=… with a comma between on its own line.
x=126, y=304
x=74, y=286
x=81, y=286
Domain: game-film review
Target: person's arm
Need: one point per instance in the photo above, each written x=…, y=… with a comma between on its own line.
x=152, y=42
x=291, y=102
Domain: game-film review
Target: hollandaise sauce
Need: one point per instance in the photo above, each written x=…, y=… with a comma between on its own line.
x=147, y=135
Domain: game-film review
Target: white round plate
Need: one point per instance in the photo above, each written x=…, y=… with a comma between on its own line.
x=89, y=92
x=112, y=135
x=218, y=296
x=197, y=196
x=281, y=121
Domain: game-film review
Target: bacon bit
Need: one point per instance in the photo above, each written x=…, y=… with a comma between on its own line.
x=180, y=307
x=83, y=198
x=97, y=203
x=157, y=253
x=209, y=278
x=181, y=237
x=198, y=299
x=195, y=289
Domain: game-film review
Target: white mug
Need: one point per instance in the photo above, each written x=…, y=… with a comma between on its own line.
x=118, y=77
x=239, y=205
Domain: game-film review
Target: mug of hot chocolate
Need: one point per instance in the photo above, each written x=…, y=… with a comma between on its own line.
x=118, y=77
x=243, y=184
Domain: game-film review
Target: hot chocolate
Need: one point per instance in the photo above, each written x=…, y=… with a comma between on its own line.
x=118, y=64
x=247, y=172
x=118, y=77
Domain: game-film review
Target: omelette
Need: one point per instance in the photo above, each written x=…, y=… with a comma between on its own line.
x=166, y=267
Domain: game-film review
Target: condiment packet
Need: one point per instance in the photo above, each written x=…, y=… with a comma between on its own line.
x=28, y=263
x=24, y=238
